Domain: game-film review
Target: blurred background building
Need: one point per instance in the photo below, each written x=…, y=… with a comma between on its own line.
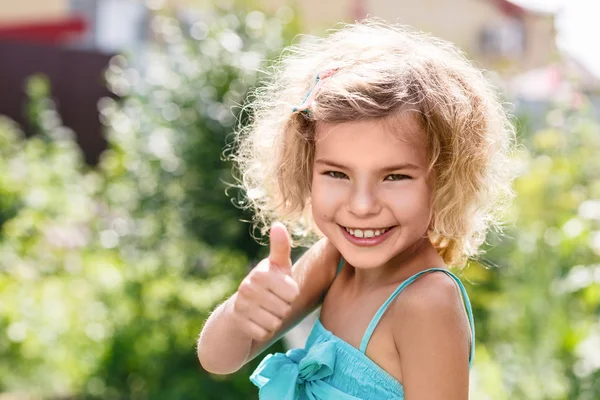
x=515, y=42
x=497, y=33
x=70, y=41
x=501, y=35
x=31, y=10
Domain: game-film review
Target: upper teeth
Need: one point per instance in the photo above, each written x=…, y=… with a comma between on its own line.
x=367, y=233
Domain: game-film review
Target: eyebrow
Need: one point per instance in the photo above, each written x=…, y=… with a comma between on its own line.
x=385, y=169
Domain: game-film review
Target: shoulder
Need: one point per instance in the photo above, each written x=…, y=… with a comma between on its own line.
x=434, y=293
x=432, y=335
x=433, y=300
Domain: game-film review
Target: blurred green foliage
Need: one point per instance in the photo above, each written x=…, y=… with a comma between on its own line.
x=107, y=273
x=539, y=302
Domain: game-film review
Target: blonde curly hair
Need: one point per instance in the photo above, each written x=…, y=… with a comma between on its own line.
x=383, y=68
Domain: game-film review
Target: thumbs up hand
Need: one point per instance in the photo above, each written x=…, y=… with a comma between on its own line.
x=264, y=298
x=280, y=249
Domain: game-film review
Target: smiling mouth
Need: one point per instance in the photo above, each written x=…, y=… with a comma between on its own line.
x=366, y=232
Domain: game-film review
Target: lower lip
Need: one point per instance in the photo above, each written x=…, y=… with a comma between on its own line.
x=373, y=241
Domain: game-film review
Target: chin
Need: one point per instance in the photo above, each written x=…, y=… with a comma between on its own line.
x=363, y=261
x=365, y=257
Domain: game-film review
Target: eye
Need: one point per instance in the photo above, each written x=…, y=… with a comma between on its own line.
x=397, y=177
x=335, y=174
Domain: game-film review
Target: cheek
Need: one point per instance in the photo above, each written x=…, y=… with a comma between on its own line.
x=326, y=198
x=410, y=204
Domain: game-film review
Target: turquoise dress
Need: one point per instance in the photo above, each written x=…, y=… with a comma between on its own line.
x=330, y=368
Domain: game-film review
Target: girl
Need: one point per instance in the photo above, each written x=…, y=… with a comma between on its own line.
x=397, y=159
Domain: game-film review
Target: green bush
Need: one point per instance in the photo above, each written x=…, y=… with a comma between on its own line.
x=107, y=274
x=539, y=336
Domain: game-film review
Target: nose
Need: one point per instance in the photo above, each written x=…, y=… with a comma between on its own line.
x=364, y=201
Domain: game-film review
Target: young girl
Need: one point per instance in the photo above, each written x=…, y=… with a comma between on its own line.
x=397, y=159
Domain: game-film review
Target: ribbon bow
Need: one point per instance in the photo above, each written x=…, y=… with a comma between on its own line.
x=312, y=93
x=298, y=374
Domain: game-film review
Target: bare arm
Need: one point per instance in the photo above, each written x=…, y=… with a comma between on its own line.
x=239, y=329
x=432, y=335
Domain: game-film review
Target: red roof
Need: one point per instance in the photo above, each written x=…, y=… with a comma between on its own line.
x=45, y=31
x=510, y=8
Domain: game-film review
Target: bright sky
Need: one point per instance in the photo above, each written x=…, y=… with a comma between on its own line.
x=578, y=27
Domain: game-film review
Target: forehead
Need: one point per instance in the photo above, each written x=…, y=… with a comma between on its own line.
x=393, y=140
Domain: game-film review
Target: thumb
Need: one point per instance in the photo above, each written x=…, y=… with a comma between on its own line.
x=280, y=248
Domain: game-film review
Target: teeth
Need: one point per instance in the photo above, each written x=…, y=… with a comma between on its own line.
x=367, y=233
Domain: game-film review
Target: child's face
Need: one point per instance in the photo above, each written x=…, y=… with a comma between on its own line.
x=365, y=176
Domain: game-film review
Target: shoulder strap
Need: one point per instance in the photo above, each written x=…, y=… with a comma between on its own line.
x=340, y=265
x=384, y=306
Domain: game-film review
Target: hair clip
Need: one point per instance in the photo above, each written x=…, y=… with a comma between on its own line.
x=312, y=93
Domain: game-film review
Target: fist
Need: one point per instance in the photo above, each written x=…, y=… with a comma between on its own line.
x=264, y=298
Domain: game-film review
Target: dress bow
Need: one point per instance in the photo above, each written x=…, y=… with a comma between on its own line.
x=298, y=374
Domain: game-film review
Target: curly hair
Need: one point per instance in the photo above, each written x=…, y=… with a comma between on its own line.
x=383, y=68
